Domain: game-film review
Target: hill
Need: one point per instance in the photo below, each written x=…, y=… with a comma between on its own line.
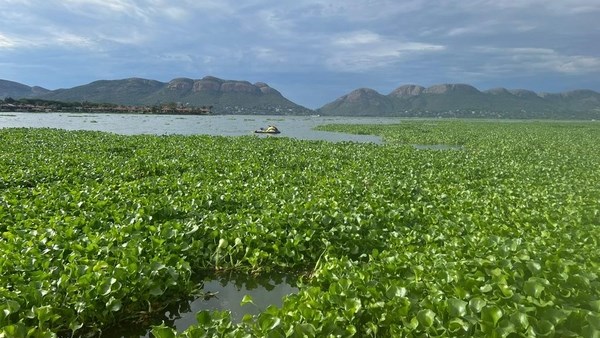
x=17, y=90
x=242, y=97
x=364, y=100
x=224, y=96
x=462, y=100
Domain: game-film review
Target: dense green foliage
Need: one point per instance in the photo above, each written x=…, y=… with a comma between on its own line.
x=498, y=238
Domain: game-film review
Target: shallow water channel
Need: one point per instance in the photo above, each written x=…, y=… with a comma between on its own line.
x=224, y=292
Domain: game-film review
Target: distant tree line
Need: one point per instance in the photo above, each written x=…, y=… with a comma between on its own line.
x=9, y=104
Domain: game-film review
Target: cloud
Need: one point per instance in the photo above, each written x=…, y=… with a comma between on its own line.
x=344, y=44
x=8, y=42
x=534, y=60
x=106, y=9
x=364, y=50
x=491, y=27
x=269, y=55
x=357, y=38
x=70, y=39
x=53, y=39
x=560, y=7
x=362, y=11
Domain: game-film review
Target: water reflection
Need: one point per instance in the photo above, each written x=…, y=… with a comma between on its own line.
x=229, y=291
x=223, y=292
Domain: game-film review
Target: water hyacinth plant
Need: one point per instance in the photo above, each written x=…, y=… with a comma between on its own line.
x=497, y=236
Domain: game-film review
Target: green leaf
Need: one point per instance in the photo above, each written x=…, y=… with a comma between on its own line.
x=426, y=317
x=156, y=291
x=352, y=306
x=534, y=267
x=203, y=318
x=163, y=332
x=486, y=288
x=589, y=331
x=554, y=316
x=520, y=320
x=268, y=322
x=350, y=330
x=11, y=307
x=248, y=318
x=505, y=328
x=506, y=290
x=594, y=320
x=457, y=325
x=113, y=304
x=15, y=330
x=247, y=299
x=43, y=313
x=75, y=325
x=456, y=307
x=395, y=291
x=157, y=266
x=104, y=289
x=305, y=330
x=544, y=328
x=222, y=243
x=476, y=304
x=491, y=314
x=533, y=288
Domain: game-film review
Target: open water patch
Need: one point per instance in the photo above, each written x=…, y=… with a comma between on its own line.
x=223, y=292
x=226, y=293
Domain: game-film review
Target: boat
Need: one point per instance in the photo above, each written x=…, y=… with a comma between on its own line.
x=262, y=131
x=269, y=130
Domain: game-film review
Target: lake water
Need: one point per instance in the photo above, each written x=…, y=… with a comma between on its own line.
x=299, y=127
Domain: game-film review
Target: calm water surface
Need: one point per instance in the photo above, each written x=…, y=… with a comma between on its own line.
x=227, y=292
x=300, y=127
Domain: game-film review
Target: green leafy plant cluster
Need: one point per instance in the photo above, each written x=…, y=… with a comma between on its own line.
x=498, y=238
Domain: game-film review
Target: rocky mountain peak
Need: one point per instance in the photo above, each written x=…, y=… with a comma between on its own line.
x=407, y=91
x=207, y=84
x=497, y=91
x=239, y=87
x=524, y=93
x=360, y=94
x=454, y=87
x=182, y=84
x=265, y=89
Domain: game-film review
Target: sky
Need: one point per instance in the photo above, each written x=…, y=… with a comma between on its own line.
x=312, y=51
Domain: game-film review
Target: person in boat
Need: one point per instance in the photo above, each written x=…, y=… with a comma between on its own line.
x=271, y=129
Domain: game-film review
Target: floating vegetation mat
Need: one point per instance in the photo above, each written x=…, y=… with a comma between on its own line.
x=500, y=238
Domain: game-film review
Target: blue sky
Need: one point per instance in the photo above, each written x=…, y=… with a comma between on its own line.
x=312, y=51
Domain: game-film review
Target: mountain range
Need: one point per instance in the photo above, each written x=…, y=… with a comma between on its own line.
x=243, y=97
x=224, y=96
x=17, y=90
x=462, y=100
